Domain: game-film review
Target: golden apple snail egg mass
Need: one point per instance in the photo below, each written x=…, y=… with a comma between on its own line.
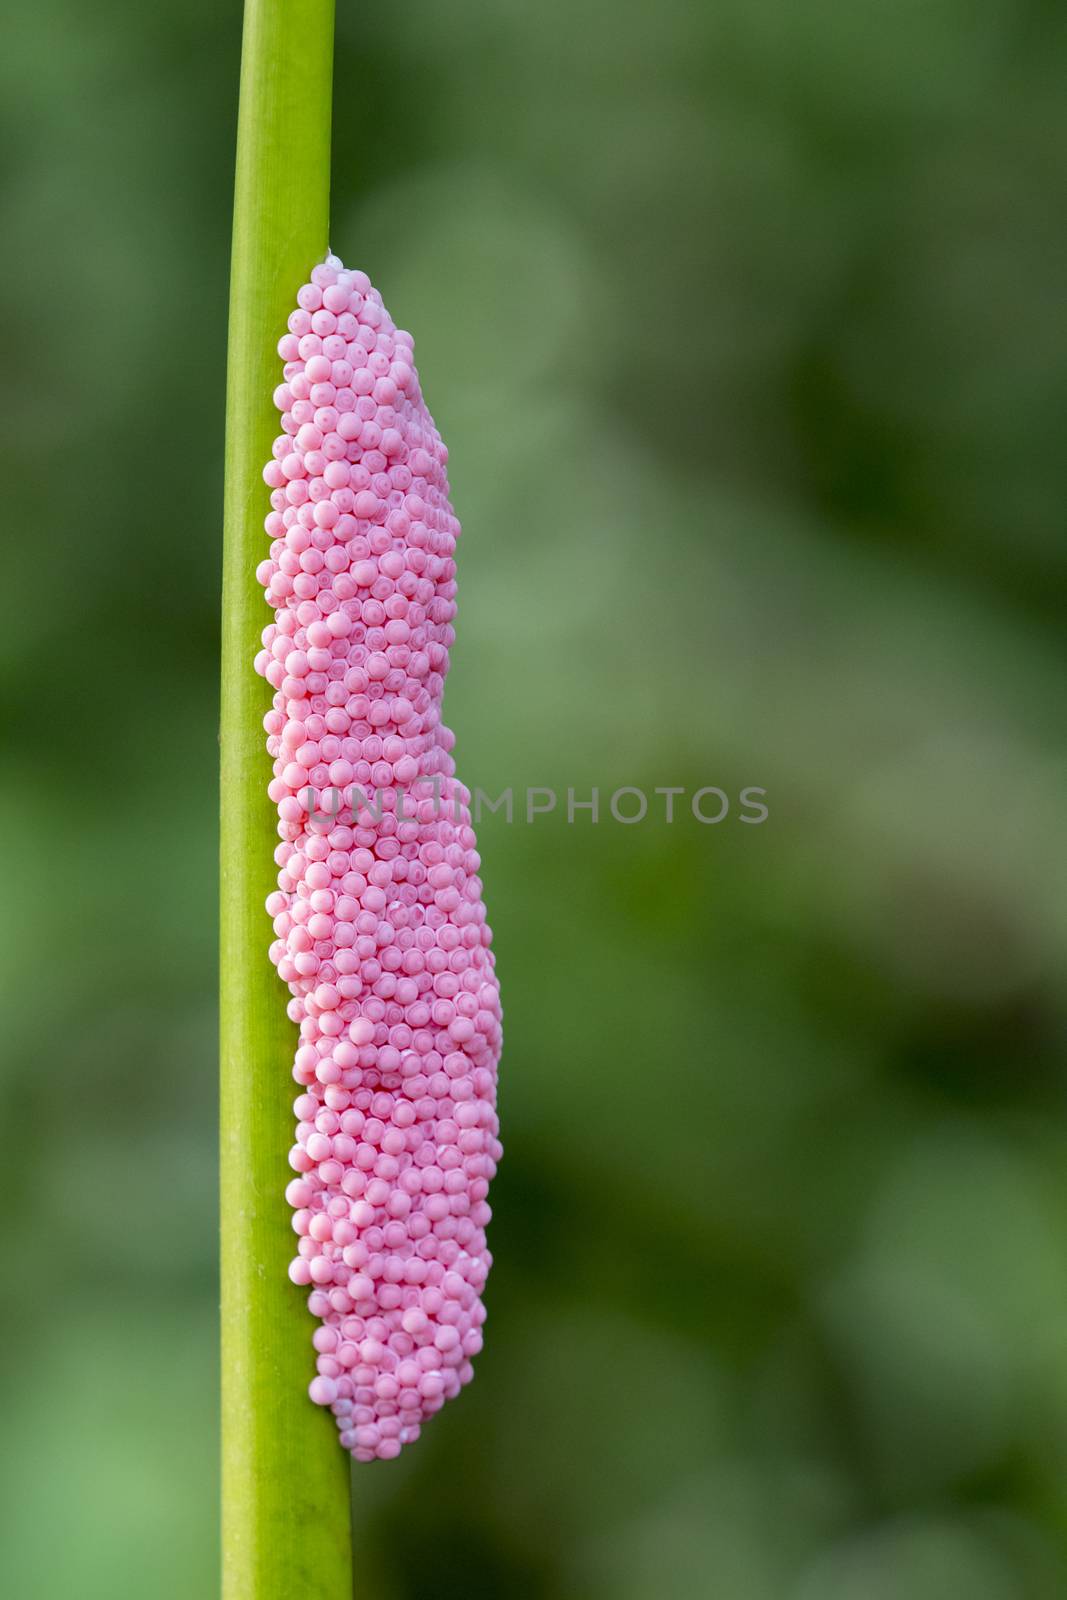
x=380, y=929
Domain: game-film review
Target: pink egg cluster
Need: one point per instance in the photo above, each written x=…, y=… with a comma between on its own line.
x=380, y=930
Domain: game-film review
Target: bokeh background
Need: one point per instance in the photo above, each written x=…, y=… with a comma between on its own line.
x=744, y=324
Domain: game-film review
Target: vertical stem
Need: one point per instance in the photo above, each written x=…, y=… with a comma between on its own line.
x=285, y=1516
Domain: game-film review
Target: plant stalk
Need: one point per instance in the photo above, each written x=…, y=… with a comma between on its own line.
x=285, y=1476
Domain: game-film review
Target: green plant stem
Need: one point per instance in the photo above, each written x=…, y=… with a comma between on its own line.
x=285, y=1479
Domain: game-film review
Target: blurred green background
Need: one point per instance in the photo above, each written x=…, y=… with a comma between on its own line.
x=744, y=324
